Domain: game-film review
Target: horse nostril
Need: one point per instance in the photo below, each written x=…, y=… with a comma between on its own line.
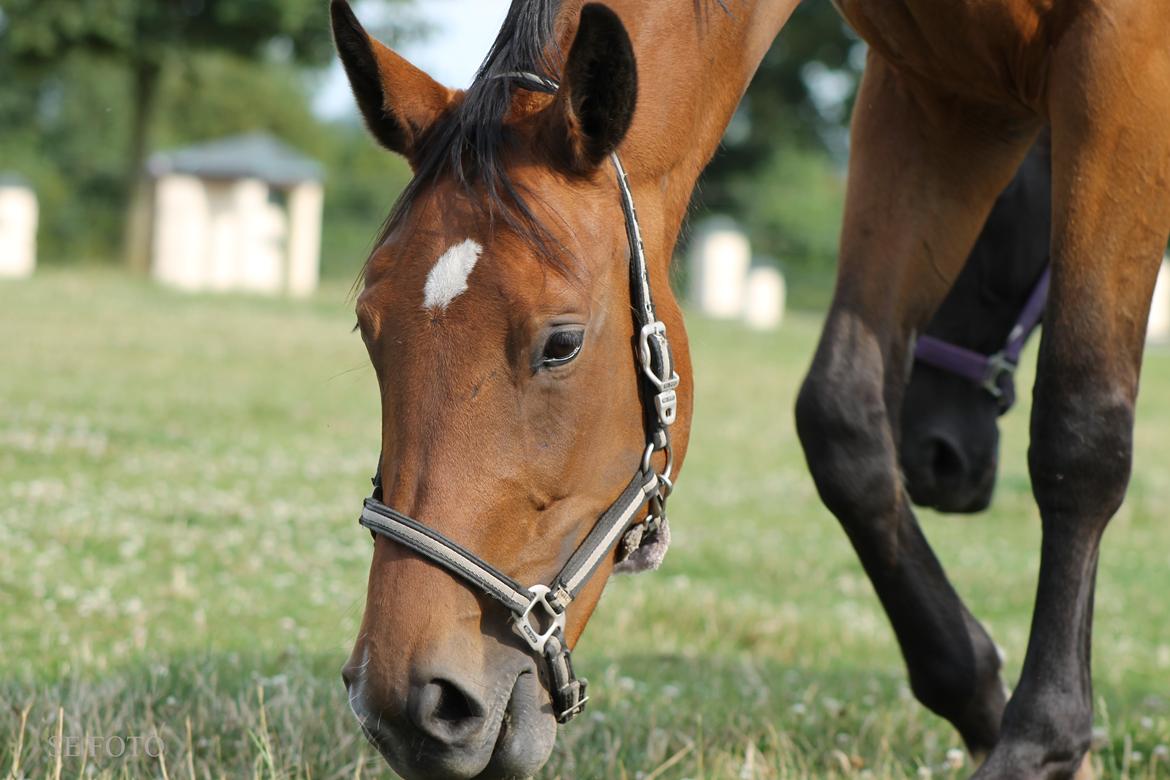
x=946, y=461
x=445, y=711
x=452, y=705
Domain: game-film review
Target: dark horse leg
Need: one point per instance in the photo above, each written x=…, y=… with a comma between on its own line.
x=924, y=174
x=1111, y=216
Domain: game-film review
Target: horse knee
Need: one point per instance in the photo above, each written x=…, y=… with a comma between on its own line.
x=845, y=433
x=1081, y=452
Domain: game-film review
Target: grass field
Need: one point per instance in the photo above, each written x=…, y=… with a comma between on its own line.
x=180, y=560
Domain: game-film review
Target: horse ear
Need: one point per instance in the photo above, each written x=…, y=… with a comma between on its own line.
x=398, y=101
x=599, y=88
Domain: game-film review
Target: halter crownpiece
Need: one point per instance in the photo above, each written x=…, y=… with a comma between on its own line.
x=643, y=543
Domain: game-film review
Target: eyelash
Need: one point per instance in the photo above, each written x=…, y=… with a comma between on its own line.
x=571, y=340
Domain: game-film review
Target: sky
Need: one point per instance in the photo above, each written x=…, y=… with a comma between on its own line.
x=461, y=32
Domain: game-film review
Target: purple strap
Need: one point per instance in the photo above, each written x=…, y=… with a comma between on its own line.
x=1029, y=318
x=985, y=370
x=952, y=358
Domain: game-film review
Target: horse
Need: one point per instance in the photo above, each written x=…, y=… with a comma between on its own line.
x=525, y=368
x=953, y=95
x=962, y=380
x=506, y=427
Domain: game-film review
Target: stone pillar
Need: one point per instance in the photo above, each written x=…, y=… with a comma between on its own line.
x=763, y=307
x=18, y=231
x=720, y=258
x=305, y=202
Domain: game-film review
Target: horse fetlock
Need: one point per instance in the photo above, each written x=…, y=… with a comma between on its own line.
x=1045, y=735
x=1032, y=761
x=971, y=695
x=979, y=722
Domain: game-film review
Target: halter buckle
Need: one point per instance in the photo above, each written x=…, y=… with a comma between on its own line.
x=666, y=399
x=997, y=366
x=575, y=709
x=523, y=627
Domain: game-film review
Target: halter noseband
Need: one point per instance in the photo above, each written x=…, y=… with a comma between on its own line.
x=994, y=373
x=659, y=383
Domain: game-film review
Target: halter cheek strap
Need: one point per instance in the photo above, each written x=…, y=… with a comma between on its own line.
x=994, y=373
x=538, y=611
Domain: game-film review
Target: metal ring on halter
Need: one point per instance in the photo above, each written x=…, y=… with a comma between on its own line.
x=665, y=486
x=998, y=365
x=649, y=453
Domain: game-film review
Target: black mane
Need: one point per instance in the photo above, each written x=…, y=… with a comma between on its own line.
x=470, y=141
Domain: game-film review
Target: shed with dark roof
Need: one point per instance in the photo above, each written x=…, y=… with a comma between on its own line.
x=237, y=213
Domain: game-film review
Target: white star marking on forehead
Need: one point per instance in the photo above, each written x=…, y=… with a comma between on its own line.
x=448, y=278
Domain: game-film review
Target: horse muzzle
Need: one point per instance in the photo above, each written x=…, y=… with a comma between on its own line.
x=451, y=727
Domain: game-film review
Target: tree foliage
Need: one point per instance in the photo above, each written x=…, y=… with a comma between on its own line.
x=137, y=31
x=89, y=87
x=77, y=123
x=779, y=170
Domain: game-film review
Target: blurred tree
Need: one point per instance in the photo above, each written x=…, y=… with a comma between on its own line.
x=801, y=93
x=778, y=171
x=143, y=39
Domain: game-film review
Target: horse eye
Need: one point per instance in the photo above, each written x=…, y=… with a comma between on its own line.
x=561, y=347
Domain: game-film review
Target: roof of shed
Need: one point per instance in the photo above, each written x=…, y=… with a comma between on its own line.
x=250, y=156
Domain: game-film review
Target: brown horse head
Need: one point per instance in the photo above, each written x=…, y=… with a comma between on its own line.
x=497, y=314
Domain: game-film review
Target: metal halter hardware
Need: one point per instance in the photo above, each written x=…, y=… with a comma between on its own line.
x=994, y=373
x=650, y=488
x=522, y=625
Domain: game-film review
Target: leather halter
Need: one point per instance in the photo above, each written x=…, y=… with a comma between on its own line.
x=546, y=638
x=994, y=373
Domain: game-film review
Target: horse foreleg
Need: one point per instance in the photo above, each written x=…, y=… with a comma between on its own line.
x=1110, y=107
x=924, y=173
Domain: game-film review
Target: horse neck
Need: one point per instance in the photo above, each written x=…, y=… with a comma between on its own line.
x=695, y=60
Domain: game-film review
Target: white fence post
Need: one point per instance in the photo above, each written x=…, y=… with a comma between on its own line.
x=764, y=303
x=719, y=259
x=18, y=230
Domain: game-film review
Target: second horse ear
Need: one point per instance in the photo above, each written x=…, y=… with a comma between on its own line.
x=398, y=101
x=599, y=89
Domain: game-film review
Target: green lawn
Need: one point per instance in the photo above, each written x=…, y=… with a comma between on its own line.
x=179, y=557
